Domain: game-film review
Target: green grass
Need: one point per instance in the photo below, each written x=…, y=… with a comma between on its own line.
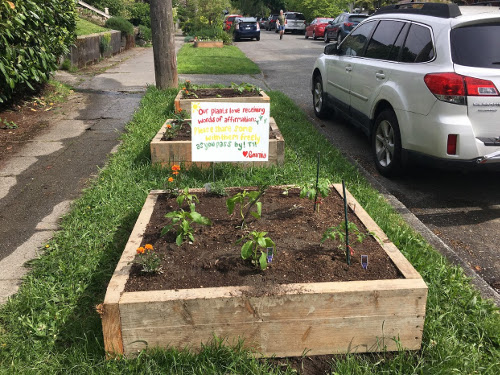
x=225, y=60
x=84, y=27
x=51, y=325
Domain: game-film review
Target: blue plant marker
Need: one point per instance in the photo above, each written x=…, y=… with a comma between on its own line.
x=270, y=254
x=364, y=261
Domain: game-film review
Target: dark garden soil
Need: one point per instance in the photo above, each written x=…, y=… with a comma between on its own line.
x=183, y=132
x=22, y=121
x=214, y=260
x=219, y=93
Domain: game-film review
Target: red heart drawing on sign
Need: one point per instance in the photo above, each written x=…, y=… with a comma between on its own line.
x=245, y=153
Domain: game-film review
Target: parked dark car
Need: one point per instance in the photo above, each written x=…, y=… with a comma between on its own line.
x=246, y=28
x=270, y=23
x=342, y=25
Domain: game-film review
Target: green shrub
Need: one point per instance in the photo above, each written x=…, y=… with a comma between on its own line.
x=105, y=43
x=139, y=14
x=33, y=34
x=145, y=33
x=213, y=33
x=121, y=24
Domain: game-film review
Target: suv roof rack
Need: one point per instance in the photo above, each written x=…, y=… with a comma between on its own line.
x=440, y=10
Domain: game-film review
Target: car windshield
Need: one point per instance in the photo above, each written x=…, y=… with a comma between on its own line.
x=477, y=46
x=324, y=20
x=231, y=19
x=295, y=16
x=357, y=18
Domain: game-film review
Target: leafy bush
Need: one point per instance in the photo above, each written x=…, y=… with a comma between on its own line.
x=213, y=33
x=121, y=24
x=34, y=33
x=139, y=14
x=145, y=33
x=116, y=7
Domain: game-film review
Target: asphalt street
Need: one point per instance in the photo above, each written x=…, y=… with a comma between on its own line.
x=38, y=184
x=458, y=212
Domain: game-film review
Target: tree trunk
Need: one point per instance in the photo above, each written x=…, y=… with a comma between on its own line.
x=162, y=28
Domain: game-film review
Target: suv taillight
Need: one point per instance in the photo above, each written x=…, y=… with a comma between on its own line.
x=348, y=24
x=453, y=88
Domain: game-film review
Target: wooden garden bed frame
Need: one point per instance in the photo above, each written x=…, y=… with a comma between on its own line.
x=172, y=152
x=317, y=318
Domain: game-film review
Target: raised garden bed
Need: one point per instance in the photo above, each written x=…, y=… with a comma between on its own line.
x=208, y=44
x=275, y=317
x=177, y=151
x=219, y=95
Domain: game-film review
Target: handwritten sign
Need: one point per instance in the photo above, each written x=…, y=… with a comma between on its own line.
x=229, y=131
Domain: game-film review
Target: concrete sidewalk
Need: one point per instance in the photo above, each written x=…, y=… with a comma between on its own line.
x=38, y=183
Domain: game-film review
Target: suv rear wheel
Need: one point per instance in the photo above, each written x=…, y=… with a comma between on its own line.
x=386, y=144
x=319, y=102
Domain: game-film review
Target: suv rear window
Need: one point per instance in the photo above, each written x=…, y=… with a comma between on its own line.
x=357, y=18
x=295, y=16
x=477, y=46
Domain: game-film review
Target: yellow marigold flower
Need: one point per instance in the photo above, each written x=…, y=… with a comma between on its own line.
x=148, y=247
x=140, y=250
x=170, y=179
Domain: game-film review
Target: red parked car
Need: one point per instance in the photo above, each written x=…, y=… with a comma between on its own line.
x=316, y=29
x=228, y=21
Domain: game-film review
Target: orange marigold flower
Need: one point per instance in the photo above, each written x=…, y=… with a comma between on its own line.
x=170, y=179
x=140, y=250
x=176, y=167
x=148, y=247
x=184, y=88
x=175, y=173
x=169, y=126
x=11, y=4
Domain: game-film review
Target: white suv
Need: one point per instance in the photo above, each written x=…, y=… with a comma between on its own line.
x=422, y=80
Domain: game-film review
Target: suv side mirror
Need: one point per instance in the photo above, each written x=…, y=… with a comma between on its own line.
x=331, y=49
x=330, y=22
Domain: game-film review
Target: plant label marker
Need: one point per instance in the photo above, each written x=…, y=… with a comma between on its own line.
x=364, y=261
x=270, y=254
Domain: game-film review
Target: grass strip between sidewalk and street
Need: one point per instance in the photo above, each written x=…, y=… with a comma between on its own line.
x=51, y=325
x=225, y=60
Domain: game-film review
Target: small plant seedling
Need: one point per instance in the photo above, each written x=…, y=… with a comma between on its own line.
x=338, y=232
x=4, y=124
x=182, y=222
x=215, y=188
x=308, y=189
x=185, y=196
x=189, y=89
x=246, y=199
x=257, y=248
x=245, y=87
x=180, y=116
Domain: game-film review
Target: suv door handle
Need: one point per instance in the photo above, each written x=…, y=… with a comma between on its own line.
x=348, y=68
x=380, y=75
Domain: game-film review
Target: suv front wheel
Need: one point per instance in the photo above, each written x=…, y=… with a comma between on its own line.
x=386, y=144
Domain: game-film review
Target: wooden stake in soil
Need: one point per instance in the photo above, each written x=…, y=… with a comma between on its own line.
x=347, y=247
x=317, y=179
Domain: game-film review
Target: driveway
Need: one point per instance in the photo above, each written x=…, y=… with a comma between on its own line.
x=460, y=211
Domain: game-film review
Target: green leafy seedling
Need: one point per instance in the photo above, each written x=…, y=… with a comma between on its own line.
x=338, y=232
x=308, y=189
x=182, y=223
x=185, y=196
x=257, y=243
x=245, y=199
